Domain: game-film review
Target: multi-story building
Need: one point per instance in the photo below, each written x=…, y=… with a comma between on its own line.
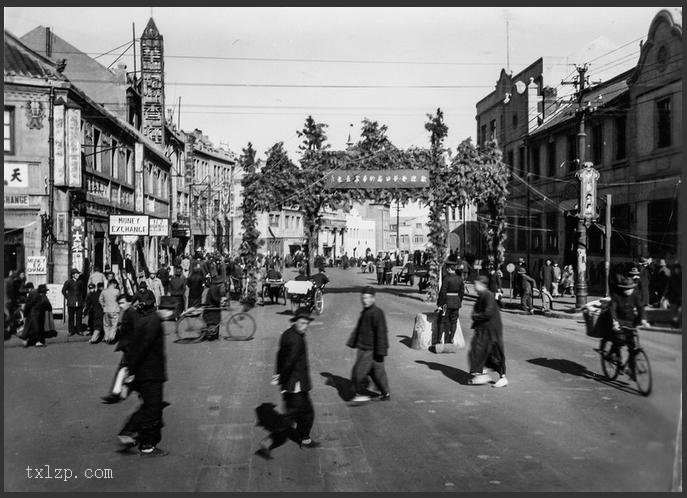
x=359, y=236
x=98, y=165
x=634, y=139
x=413, y=232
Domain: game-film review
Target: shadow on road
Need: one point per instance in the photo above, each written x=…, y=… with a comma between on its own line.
x=342, y=385
x=408, y=293
x=453, y=373
x=572, y=368
x=278, y=426
x=406, y=340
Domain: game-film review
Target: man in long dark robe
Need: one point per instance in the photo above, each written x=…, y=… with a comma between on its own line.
x=486, y=348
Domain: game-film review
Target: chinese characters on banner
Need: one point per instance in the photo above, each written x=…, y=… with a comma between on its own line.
x=59, y=145
x=385, y=178
x=16, y=175
x=138, y=171
x=153, y=89
x=78, y=234
x=73, y=130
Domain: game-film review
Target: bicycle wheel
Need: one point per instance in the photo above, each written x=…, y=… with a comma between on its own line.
x=610, y=359
x=239, y=327
x=318, y=302
x=190, y=329
x=642, y=372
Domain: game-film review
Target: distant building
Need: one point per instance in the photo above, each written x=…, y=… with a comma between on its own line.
x=360, y=235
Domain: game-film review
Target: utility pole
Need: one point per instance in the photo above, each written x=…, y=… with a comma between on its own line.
x=51, y=185
x=607, y=262
x=398, y=226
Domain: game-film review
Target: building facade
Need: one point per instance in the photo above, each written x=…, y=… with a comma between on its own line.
x=633, y=133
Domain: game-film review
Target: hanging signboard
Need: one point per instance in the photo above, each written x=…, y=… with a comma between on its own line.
x=73, y=132
x=59, y=145
x=159, y=227
x=36, y=265
x=383, y=178
x=128, y=225
x=12, y=201
x=78, y=233
x=138, y=176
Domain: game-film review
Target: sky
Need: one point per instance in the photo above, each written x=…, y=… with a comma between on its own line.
x=464, y=48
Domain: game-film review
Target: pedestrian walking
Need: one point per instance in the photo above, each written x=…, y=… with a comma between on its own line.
x=145, y=359
x=195, y=283
x=449, y=301
x=155, y=286
x=643, y=287
x=494, y=285
x=74, y=293
x=388, y=268
x=213, y=299
x=94, y=310
x=292, y=374
x=38, y=314
x=546, y=276
x=486, y=348
x=125, y=325
x=110, y=305
x=557, y=274
x=379, y=266
x=568, y=280
x=370, y=339
x=526, y=287
x=96, y=277
x=164, y=276
x=177, y=289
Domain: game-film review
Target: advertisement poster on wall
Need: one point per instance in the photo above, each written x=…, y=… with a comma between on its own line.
x=73, y=129
x=59, y=145
x=78, y=234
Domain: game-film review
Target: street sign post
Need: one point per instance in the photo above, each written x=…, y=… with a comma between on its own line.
x=510, y=268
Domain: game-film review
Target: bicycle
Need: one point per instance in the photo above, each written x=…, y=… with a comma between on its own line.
x=635, y=363
x=191, y=326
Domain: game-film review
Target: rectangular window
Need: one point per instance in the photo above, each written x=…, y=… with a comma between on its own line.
x=572, y=152
x=492, y=129
x=287, y=221
x=663, y=123
x=97, y=163
x=274, y=220
x=552, y=234
x=535, y=160
x=597, y=145
x=8, y=130
x=418, y=226
x=483, y=134
x=510, y=160
x=129, y=166
x=551, y=158
x=536, y=234
x=620, y=137
x=663, y=227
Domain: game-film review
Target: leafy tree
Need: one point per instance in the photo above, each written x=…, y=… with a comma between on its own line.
x=314, y=134
x=249, y=242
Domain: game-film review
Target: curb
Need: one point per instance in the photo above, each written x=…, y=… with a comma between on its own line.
x=15, y=342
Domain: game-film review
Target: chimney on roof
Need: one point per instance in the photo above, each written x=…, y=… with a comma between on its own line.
x=120, y=73
x=48, y=42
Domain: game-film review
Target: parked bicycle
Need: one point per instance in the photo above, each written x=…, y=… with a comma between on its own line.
x=617, y=358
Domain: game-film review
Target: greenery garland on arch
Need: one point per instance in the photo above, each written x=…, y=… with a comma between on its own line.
x=471, y=175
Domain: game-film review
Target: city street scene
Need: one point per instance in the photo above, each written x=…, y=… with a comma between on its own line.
x=343, y=249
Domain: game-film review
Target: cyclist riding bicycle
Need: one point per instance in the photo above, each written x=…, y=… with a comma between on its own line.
x=627, y=313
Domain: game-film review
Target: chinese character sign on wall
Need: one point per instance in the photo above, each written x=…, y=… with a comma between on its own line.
x=59, y=145
x=78, y=234
x=394, y=178
x=73, y=131
x=16, y=175
x=153, y=92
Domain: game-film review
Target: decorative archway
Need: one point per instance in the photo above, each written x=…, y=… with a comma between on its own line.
x=375, y=170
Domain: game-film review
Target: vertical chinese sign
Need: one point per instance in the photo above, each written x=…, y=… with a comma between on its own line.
x=73, y=131
x=152, y=74
x=138, y=177
x=78, y=235
x=59, y=146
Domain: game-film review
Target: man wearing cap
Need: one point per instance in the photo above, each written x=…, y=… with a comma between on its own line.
x=449, y=301
x=292, y=374
x=74, y=293
x=371, y=341
x=526, y=285
x=486, y=348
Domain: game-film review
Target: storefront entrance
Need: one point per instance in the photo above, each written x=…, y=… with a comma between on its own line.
x=14, y=250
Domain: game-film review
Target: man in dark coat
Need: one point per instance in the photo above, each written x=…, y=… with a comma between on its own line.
x=213, y=299
x=292, y=374
x=370, y=338
x=163, y=275
x=486, y=348
x=74, y=293
x=125, y=327
x=379, y=266
x=94, y=310
x=526, y=285
x=643, y=287
x=546, y=276
x=177, y=288
x=145, y=358
x=449, y=301
x=36, y=305
x=195, y=283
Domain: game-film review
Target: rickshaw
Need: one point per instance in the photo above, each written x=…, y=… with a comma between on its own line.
x=402, y=276
x=304, y=293
x=270, y=284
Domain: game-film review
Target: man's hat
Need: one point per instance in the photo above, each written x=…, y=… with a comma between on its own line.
x=42, y=289
x=634, y=271
x=74, y=270
x=146, y=299
x=369, y=290
x=302, y=312
x=643, y=261
x=521, y=270
x=626, y=283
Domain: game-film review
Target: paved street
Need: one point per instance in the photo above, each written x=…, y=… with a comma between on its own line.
x=556, y=426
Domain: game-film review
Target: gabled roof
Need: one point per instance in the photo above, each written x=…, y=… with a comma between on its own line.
x=597, y=96
x=151, y=30
x=21, y=61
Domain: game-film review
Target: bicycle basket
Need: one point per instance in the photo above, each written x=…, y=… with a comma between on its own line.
x=597, y=319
